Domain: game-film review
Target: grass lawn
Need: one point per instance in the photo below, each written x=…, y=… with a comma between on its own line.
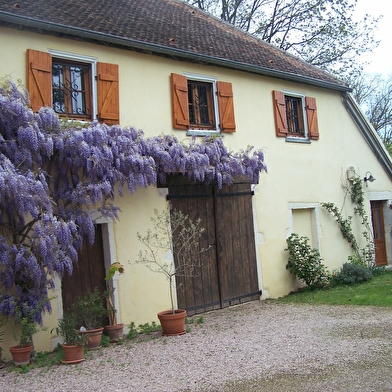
x=376, y=292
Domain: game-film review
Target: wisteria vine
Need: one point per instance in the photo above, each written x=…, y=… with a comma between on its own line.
x=52, y=174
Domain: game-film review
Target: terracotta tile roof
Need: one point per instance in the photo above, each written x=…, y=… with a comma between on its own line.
x=164, y=27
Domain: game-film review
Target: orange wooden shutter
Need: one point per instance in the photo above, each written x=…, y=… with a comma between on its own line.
x=108, y=93
x=280, y=113
x=39, y=78
x=226, y=106
x=311, y=116
x=179, y=93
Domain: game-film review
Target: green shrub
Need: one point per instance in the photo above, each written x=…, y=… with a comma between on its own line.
x=305, y=262
x=351, y=273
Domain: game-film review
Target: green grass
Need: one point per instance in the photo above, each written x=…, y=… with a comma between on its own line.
x=376, y=292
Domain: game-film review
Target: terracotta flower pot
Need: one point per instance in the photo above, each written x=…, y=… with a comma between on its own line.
x=73, y=354
x=172, y=323
x=115, y=332
x=94, y=337
x=21, y=355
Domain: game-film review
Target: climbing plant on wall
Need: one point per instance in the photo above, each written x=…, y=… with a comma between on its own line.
x=354, y=188
x=53, y=173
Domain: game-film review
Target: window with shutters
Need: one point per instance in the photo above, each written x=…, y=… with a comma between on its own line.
x=77, y=87
x=202, y=105
x=295, y=116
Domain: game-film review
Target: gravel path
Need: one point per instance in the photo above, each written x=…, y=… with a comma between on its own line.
x=258, y=346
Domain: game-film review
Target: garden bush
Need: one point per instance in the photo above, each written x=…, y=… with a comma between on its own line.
x=351, y=273
x=305, y=262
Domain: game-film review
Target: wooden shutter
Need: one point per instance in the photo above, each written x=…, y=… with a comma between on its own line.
x=311, y=116
x=226, y=107
x=108, y=93
x=280, y=113
x=179, y=93
x=39, y=78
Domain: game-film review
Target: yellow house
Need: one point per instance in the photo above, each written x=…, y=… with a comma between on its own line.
x=167, y=68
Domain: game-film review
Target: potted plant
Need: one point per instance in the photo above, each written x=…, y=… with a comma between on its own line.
x=114, y=330
x=24, y=318
x=184, y=246
x=89, y=311
x=73, y=341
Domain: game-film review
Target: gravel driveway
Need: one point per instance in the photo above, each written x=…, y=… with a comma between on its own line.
x=258, y=346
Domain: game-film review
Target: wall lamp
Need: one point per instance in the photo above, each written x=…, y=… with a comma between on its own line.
x=368, y=178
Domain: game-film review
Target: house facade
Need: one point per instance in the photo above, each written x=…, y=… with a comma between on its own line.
x=167, y=68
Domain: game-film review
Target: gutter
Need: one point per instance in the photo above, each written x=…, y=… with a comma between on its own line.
x=369, y=133
x=34, y=23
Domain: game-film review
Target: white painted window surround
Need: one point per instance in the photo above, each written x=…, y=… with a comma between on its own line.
x=315, y=221
x=302, y=96
x=212, y=80
x=82, y=59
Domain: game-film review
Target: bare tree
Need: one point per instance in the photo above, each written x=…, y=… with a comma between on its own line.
x=374, y=94
x=321, y=32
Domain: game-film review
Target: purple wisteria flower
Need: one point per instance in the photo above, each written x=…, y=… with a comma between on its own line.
x=53, y=174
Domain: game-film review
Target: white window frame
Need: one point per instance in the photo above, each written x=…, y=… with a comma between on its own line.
x=305, y=138
x=212, y=80
x=82, y=59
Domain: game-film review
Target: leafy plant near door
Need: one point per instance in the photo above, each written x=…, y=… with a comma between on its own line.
x=178, y=234
x=73, y=341
x=114, y=329
x=354, y=188
x=89, y=311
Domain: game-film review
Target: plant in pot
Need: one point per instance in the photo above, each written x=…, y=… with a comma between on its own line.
x=114, y=330
x=89, y=311
x=73, y=341
x=178, y=234
x=23, y=317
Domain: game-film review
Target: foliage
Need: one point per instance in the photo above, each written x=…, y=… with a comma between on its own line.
x=88, y=310
x=351, y=273
x=375, y=292
x=321, y=32
x=132, y=331
x=355, y=190
x=305, y=262
x=115, y=267
x=145, y=329
x=52, y=174
x=67, y=330
x=178, y=234
x=24, y=317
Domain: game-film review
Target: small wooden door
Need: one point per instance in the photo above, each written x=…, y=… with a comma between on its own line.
x=379, y=232
x=88, y=272
x=228, y=272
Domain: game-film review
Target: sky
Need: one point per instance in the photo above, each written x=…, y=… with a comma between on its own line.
x=381, y=58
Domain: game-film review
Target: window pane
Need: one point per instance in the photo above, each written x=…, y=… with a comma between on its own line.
x=294, y=115
x=71, y=88
x=201, y=107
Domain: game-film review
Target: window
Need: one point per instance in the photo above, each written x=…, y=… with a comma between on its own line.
x=67, y=83
x=71, y=89
x=295, y=116
x=202, y=105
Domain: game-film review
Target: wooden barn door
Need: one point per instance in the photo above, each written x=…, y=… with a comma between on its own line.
x=88, y=272
x=228, y=272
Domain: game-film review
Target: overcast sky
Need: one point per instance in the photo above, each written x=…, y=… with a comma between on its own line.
x=381, y=58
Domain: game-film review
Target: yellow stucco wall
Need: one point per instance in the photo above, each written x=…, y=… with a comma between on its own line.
x=299, y=175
